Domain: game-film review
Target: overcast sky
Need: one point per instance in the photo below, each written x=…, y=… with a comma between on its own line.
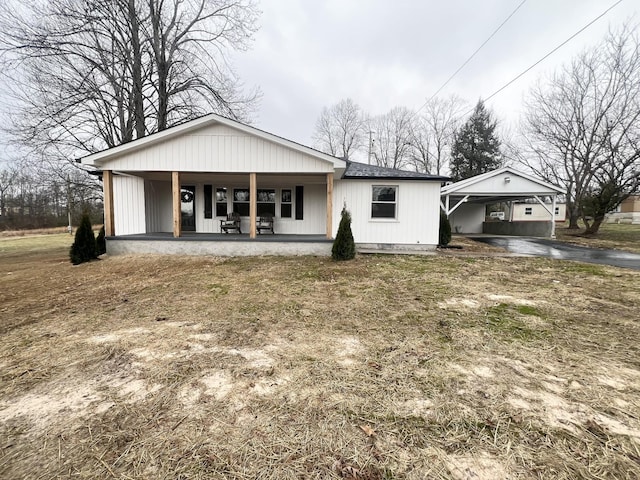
x=382, y=53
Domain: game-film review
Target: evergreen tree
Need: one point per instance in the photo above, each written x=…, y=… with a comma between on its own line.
x=445, y=229
x=344, y=247
x=101, y=244
x=476, y=147
x=84, y=245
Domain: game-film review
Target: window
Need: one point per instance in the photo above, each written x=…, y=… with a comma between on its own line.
x=221, y=202
x=241, y=201
x=266, y=201
x=285, y=204
x=383, y=201
x=557, y=210
x=528, y=210
x=208, y=201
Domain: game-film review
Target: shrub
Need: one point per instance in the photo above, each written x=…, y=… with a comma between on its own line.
x=445, y=230
x=84, y=244
x=101, y=244
x=344, y=248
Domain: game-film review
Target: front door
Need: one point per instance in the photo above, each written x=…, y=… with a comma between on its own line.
x=188, y=207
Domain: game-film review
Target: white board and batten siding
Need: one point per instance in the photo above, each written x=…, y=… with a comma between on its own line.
x=129, y=205
x=417, y=212
x=159, y=206
x=218, y=148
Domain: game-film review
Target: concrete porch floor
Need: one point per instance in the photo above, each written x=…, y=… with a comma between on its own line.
x=219, y=244
x=221, y=237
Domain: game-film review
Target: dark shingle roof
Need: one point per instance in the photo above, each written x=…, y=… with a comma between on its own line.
x=357, y=170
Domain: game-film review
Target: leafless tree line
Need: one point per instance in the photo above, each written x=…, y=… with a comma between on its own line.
x=36, y=196
x=400, y=138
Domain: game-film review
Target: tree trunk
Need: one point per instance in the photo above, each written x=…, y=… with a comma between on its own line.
x=138, y=98
x=574, y=215
x=595, y=226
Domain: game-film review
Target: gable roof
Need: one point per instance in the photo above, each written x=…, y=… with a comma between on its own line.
x=356, y=170
x=97, y=158
x=482, y=184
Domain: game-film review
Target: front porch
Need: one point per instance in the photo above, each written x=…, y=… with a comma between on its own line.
x=219, y=244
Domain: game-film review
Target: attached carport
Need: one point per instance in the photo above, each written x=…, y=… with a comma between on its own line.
x=464, y=202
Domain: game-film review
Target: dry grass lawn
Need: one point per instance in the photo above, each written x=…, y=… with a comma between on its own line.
x=611, y=235
x=386, y=367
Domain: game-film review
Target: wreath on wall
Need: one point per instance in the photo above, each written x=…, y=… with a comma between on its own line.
x=186, y=196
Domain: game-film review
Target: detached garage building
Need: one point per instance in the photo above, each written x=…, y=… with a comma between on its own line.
x=465, y=203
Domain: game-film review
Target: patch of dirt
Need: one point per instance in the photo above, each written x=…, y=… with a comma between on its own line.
x=476, y=467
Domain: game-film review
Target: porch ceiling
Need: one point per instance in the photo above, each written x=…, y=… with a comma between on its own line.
x=234, y=178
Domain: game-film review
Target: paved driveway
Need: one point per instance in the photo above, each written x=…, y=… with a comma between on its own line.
x=541, y=247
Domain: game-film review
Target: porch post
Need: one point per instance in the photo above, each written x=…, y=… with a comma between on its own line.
x=553, y=217
x=107, y=186
x=177, y=220
x=253, y=205
x=329, y=205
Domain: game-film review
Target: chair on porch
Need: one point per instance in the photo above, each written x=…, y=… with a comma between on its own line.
x=231, y=223
x=265, y=223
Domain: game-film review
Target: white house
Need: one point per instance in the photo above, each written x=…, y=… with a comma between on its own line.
x=535, y=212
x=168, y=192
x=627, y=212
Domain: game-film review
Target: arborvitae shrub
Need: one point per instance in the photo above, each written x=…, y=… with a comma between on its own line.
x=101, y=244
x=445, y=229
x=84, y=245
x=344, y=248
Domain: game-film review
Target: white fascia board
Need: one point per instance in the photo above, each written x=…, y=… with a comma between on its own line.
x=96, y=159
x=463, y=184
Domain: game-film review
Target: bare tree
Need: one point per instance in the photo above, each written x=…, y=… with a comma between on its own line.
x=582, y=128
x=433, y=132
x=340, y=129
x=392, y=148
x=189, y=40
x=98, y=74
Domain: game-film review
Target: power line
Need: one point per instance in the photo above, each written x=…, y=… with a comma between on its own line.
x=472, y=55
x=551, y=52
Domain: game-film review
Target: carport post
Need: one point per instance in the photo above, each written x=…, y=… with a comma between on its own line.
x=551, y=212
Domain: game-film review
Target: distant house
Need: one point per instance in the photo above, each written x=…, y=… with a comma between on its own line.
x=627, y=212
x=169, y=192
x=534, y=212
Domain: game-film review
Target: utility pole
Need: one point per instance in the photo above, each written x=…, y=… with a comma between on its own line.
x=371, y=140
x=69, y=228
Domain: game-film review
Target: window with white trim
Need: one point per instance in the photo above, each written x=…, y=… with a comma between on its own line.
x=221, y=202
x=384, y=201
x=266, y=201
x=241, y=201
x=285, y=203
